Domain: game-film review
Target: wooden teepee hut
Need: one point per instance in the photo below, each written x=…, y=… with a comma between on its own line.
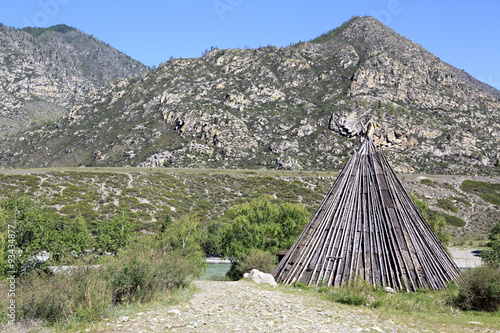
x=367, y=226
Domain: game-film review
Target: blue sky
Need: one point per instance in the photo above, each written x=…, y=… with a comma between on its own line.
x=464, y=33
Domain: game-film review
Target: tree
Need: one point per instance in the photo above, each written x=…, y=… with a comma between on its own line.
x=77, y=236
x=492, y=256
x=114, y=234
x=34, y=230
x=183, y=235
x=262, y=225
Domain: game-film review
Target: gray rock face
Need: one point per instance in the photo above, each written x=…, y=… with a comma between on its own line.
x=46, y=71
x=348, y=125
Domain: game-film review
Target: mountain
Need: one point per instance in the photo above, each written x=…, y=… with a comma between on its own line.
x=299, y=107
x=45, y=71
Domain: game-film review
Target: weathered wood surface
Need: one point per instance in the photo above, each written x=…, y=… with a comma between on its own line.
x=367, y=226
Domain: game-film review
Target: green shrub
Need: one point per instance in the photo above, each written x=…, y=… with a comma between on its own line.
x=254, y=259
x=481, y=290
x=446, y=205
x=141, y=273
x=489, y=192
x=36, y=229
x=81, y=295
x=115, y=233
x=262, y=224
x=453, y=220
x=427, y=182
x=492, y=255
x=184, y=235
x=462, y=200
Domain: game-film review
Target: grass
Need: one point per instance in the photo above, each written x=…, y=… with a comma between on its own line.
x=429, y=310
x=172, y=298
x=145, y=273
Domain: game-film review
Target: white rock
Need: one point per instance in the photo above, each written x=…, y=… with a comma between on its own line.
x=174, y=312
x=389, y=290
x=259, y=277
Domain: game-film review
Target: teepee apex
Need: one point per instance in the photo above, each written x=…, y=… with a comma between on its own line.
x=368, y=227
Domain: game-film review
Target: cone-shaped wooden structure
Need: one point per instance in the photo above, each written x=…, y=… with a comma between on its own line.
x=367, y=226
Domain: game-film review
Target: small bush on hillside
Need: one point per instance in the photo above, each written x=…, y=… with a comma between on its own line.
x=446, y=204
x=481, y=290
x=453, y=220
x=489, y=192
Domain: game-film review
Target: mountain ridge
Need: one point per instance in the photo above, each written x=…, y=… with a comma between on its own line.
x=46, y=71
x=298, y=107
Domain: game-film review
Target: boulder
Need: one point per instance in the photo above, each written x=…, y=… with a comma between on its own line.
x=389, y=290
x=258, y=277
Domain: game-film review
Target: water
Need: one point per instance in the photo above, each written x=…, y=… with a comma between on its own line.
x=214, y=269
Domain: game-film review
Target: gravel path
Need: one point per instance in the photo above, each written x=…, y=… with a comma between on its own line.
x=244, y=306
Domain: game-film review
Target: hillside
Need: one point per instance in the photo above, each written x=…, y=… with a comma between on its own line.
x=298, y=107
x=152, y=194
x=45, y=71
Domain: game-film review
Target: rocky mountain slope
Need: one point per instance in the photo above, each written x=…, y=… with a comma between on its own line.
x=44, y=72
x=299, y=107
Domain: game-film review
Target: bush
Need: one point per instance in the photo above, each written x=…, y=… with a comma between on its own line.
x=81, y=295
x=114, y=234
x=446, y=205
x=184, y=235
x=264, y=225
x=142, y=272
x=355, y=292
x=254, y=259
x=454, y=221
x=489, y=192
x=492, y=255
x=481, y=290
x=35, y=229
